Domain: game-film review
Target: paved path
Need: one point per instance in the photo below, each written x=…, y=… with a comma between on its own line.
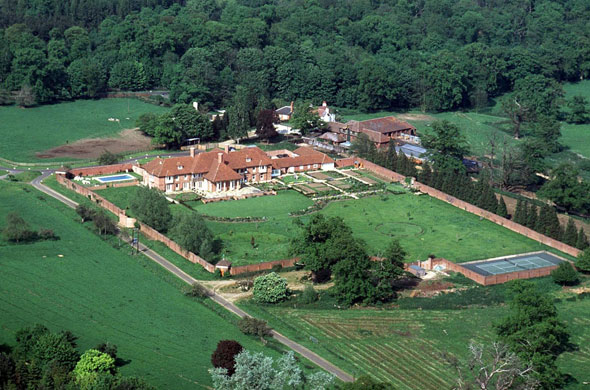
x=306, y=353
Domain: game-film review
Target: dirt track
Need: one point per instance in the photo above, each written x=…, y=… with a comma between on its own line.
x=129, y=140
x=415, y=117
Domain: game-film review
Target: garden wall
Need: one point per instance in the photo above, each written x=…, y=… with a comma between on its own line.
x=515, y=227
x=101, y=170
x=262, y=266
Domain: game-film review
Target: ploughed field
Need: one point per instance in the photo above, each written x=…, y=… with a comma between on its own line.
x=423, y=225
x=101, y=294
x=51, y=132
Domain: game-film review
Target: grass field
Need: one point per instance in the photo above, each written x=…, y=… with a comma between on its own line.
x=101, y=293
x=27, y=131
x=423, y=225
x=404, y=345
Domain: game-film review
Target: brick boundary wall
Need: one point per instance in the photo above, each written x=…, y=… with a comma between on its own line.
x=511, y=225
x=101, y=170
x=262, y=266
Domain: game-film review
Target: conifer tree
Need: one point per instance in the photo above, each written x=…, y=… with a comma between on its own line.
x=582, y=241
x=502, y=211
x=525, y=212
x=570, y=236
x=550, y=222
x=532, y=217
x=447, y=185
x=439, y=178
x=425, y=175
x=517, y=217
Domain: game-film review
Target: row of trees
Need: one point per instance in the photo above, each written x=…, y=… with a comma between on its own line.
x=372, y=55
x=42, y=359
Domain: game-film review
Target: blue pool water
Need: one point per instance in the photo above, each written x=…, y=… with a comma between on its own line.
x=108, y=179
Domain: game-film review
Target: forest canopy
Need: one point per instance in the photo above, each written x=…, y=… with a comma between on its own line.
x=367, y=54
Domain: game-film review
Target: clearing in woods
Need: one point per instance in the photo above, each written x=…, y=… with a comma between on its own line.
x=36, y=134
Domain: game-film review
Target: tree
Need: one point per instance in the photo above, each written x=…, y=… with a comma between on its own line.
x=570, y=236
x=192, y=234
x=539, y=94
x=104, y=223
x=321, y=243
x=565, y=274
x=94, y=362
x=516, y=112
x=583, y=263
x=352, y=273
x=566, y=190
x=549, y=223
x=446, y=146
x=224, y=355
x=254, y=327
x=305, y=119
x=386, y=271
x=7, y=370
x=265, y=121
x=147, y=123
x=54, y=348
x=270, y=288
x=151, y=207
x=493, y=368
x=108, y=158
x=582, y=242
x=534, y=333
x=502, y=211
x=191, y=123
x=532, y=217
x=363, y=147
x=17, y=229
x=257, y=371
x=85, y=212
x=547, y=130
x=578, y=110
x=309, y=295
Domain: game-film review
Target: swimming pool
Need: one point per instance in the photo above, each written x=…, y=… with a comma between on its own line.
x=109, y=179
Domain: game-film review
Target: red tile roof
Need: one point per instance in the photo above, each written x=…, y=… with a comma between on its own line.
x=219, y=171
x=247, y=158
x=184, y=165
x=386, y=124
x=305, y=156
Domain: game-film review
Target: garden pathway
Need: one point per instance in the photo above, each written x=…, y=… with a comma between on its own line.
x=303, y=351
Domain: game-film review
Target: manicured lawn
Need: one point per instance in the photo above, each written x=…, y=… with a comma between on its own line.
x=405, y=346
x=102, y=294
x=423, y=225
x=265, y=206
x=27, y=131
x=120, y=196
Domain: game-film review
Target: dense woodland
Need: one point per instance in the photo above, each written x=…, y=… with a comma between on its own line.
x=367, y=54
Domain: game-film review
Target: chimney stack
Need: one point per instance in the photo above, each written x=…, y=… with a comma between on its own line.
x=226, y=148
x=324, y=104
x=292, y=106
x=220, y=157
x=192, y=149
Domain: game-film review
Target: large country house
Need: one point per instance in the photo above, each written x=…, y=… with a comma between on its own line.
x=224, y=170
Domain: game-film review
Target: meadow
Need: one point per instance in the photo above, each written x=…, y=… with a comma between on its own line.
x=423, y=224
x=25, y=132
x=99, y=292
x=406, y=346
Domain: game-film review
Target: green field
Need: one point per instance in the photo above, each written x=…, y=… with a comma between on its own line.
x=423, y=224
x=101, y=293
x=27, y=131
x=405, y=346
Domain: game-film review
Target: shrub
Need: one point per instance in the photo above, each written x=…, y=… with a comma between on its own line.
x=583, y=263
x=270, y=288
x=108, y=158
x=309, y=295
x=225, y=354
x=254, y=327
x=565, y=274
x=104, y=224
x=195, y=290
x=47, y=234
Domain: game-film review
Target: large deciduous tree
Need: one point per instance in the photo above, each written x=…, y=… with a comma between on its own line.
x=151, y=207
x=446, y=146
x=265, y=122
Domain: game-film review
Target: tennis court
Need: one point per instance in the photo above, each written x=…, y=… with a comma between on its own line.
x=513, y=263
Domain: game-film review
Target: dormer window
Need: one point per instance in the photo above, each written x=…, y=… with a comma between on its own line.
x=248, y=159
x=180, y=167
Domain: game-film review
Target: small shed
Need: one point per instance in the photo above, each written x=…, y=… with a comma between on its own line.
x=417, y=270
x=223, y=266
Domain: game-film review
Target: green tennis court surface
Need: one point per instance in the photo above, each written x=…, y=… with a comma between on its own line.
x=513, y=263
